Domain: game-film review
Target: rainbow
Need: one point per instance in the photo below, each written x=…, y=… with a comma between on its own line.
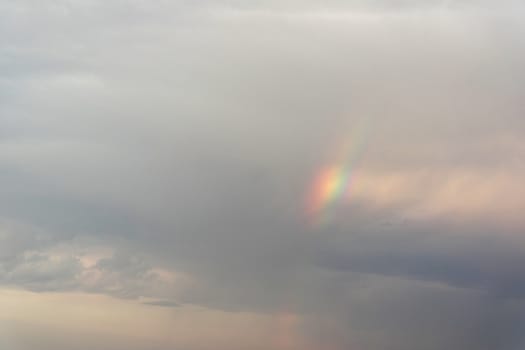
x=333, y=182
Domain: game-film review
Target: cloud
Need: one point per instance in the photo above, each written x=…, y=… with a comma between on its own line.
x=162, y=303
x=161, y=154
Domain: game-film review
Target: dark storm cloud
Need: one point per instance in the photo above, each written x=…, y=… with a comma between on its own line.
x=181, y=138
x=479, y=263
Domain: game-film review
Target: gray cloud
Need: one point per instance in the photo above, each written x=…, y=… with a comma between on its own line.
x=164, y=150
x=162, y=303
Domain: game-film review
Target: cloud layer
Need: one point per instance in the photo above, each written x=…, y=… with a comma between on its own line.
x=158, y=156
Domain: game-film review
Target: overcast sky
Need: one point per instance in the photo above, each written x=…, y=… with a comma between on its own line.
x=266, y=175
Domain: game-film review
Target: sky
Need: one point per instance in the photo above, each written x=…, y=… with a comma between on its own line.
x=273, y=175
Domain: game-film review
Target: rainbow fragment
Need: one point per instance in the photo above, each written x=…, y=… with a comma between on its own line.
x=333, y=183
